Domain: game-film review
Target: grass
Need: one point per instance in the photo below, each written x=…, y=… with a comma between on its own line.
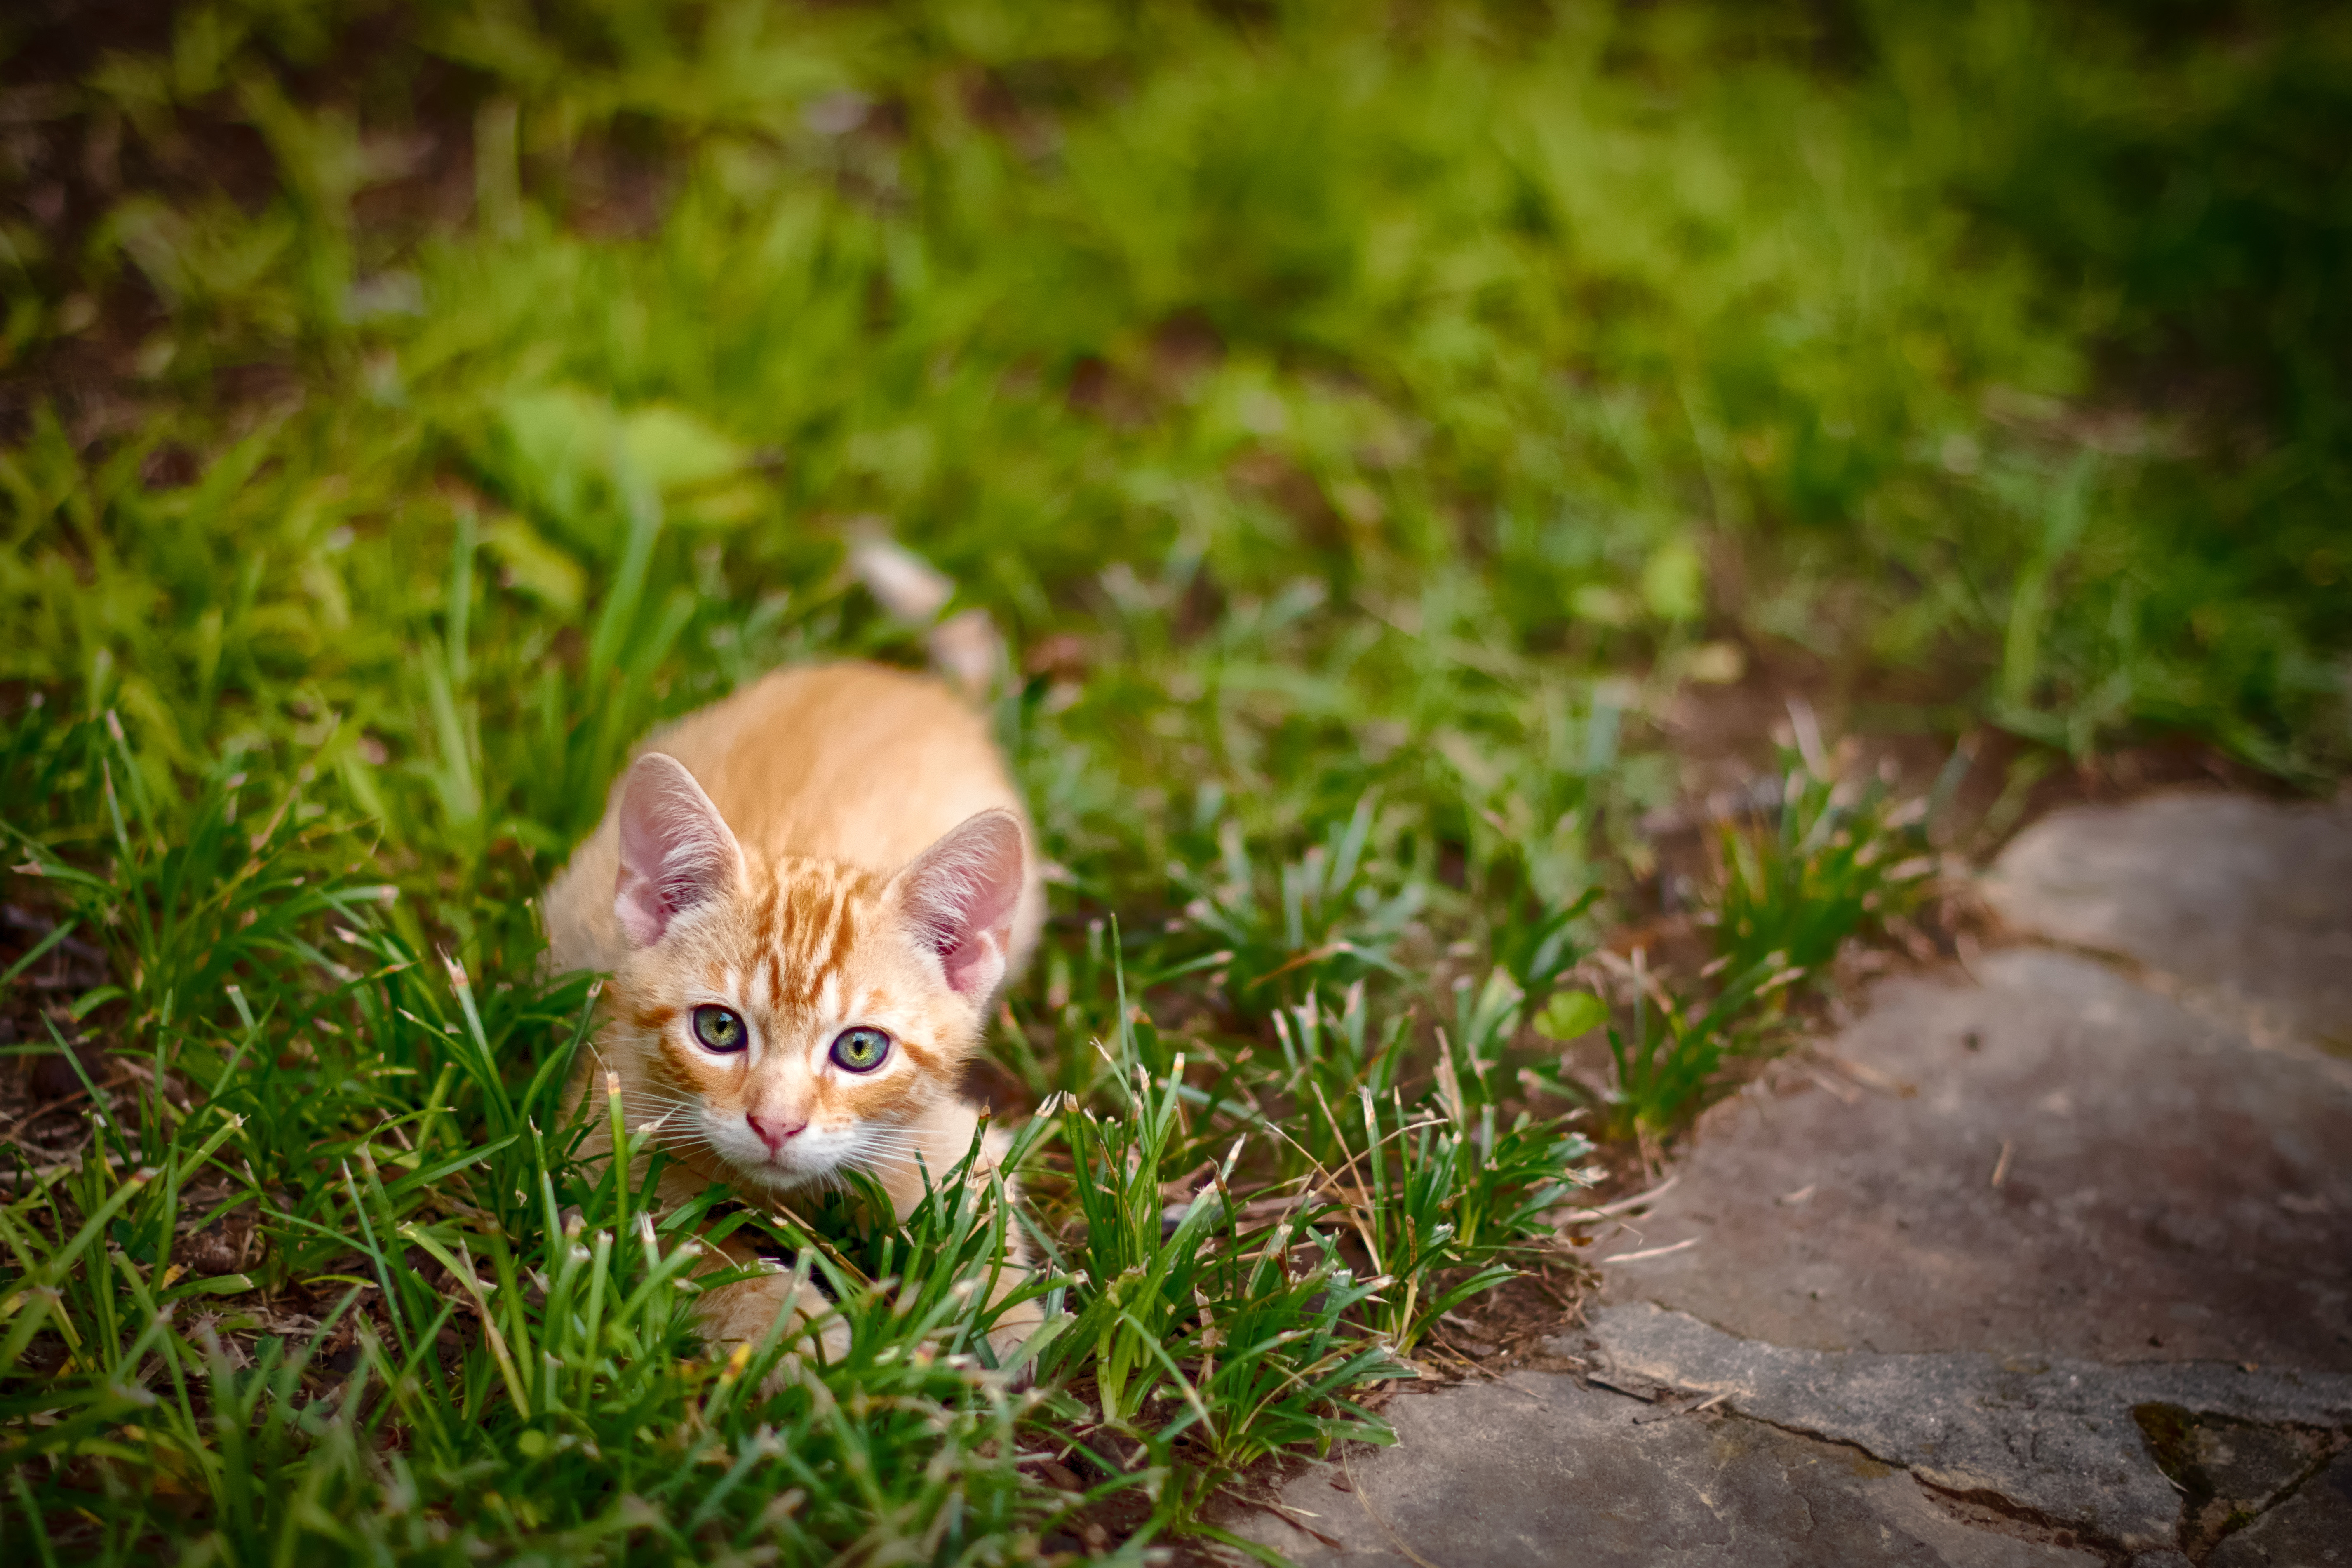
x=1364, y=426
x=1832, y=863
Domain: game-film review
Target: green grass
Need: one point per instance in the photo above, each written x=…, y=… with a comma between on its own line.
x=1363, y=423
x=1836, y=859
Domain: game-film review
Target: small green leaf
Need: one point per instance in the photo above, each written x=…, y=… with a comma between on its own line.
x=550, y=443
x=1673, y=583
x=535, y=566
x=674, y=450
x=1571, y=1014
x=89, y=1002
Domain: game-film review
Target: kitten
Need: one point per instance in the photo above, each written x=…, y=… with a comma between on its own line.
x=807, y=896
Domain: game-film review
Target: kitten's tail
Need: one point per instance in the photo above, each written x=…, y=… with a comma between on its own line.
x=966, y=648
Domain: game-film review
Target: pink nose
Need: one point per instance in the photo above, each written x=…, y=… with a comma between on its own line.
x=773, y=1129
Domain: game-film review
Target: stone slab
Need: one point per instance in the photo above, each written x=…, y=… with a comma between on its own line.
x=2048, y=1262
x=2249, y=900
x=2170, y=1191
x=2311, y=1529
x=2058, y=1439
x=1537, y=1469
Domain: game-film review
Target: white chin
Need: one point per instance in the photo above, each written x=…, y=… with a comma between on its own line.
x=780, y=1178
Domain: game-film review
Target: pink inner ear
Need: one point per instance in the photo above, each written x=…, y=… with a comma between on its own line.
x=975, y=965
x=676, y=851
x=960, y=894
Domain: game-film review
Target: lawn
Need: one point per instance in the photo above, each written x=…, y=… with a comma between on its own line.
x=1368, y=433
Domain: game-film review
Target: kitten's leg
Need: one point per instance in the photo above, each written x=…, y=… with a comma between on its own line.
x=945, y=1133
x=1016, y=1322
x=743, y=1312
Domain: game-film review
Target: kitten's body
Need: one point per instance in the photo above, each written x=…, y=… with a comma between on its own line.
x=871, y=873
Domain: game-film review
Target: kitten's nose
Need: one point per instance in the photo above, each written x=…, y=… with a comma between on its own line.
x=773, y=1129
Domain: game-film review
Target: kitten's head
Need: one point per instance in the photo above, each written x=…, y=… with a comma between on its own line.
x=785, y=1021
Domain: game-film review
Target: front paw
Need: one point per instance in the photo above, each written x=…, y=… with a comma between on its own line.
x=744, y=1312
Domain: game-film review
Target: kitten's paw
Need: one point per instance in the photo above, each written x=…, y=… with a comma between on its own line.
x=828, y=1344
x=743, y=1313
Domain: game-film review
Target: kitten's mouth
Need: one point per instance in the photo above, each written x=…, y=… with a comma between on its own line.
x=779, y=1171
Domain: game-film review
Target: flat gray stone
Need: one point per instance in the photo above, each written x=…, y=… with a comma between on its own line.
x=2050, y=1262
x=2249, y=899
x=2311, y=1528
x=2171, y=1193
x=2059, y=1439
x=1537, y=1469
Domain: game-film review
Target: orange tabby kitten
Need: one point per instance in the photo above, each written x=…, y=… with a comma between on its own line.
x=807, y=896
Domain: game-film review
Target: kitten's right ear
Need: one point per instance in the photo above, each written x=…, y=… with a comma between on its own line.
x=676, y=851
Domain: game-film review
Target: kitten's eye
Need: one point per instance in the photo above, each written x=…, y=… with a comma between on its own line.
x=719, y=1030
x=861, y=1049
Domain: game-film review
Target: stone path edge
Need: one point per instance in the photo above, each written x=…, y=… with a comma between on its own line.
x=2057, y=1439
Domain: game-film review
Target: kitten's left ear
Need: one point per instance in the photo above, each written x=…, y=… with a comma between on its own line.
x=959, y=895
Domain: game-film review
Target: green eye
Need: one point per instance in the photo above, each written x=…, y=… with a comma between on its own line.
x=861, y=1049
x=720, y=1029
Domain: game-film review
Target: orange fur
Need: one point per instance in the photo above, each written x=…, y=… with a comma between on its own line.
x=834, y=781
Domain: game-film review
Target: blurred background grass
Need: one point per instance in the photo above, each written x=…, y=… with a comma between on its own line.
x=1367, y=425
x=1990, y=357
